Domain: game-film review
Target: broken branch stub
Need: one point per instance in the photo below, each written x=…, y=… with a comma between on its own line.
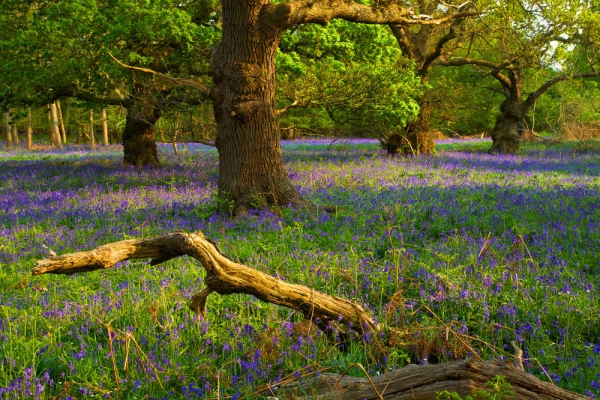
x=223, y=276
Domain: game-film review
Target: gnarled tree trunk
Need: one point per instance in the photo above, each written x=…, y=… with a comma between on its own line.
x=505, y=135
x=139, y=136
x=251, y=170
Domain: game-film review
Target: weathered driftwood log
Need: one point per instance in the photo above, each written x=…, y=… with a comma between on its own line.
x=222, y=276
x=423, y=382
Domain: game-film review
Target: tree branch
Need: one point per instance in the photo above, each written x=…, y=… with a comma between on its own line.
x=542, y=89
x=459, y=62
x=297, y=12
x=174, y=81
x=223, y=276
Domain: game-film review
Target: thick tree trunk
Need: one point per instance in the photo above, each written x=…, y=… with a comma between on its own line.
x=418, y=138
x=139, y=137
x=8, y=132
x=505, y=135
x=251, y=170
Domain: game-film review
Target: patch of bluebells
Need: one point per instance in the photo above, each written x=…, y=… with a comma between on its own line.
x=27, y=386
x=508, y=242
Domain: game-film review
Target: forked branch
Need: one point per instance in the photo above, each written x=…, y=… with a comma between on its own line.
x=223, y=276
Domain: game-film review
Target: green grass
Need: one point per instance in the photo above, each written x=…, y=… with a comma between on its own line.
x=458, y=246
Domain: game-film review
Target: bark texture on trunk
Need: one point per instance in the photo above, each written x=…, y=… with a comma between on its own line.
x=28, y=131
x=139, y=137
x=92, y=136
x=251, y=170
x=8, y=132
x=505, y=134
x=15, y=133
x=55, y=129
x=104, y=128
x=62, y=122
x=418, y=138
x=424, y=382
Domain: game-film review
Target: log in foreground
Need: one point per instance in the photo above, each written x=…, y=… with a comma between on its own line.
x=223, y=276
x=424, y=382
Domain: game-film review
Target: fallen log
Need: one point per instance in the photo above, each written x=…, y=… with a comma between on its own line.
x=223, y=276
x=424, y=382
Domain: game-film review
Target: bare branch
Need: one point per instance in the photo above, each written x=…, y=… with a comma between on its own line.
x=222, y=276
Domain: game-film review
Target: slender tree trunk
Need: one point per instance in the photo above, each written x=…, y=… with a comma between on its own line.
x=92, y=138
x=7, y=131
x=52, y=139
x=104, y=128
x=29, y=131
x=15, y=133
x=251, y=170
x=55, y=128
x=139, y=136
x=505, y=134
x=62, y=124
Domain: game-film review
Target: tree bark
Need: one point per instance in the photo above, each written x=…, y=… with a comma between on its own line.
x=222, y=276
x=505, y=134
x=55, y=129
x=15, y=133
x=8, y=132
x=28, y=131
x=62, y=123
x=52, y=138
x=92, y=136
x=251, y=170
x=139, y=136
x=424, y=382
x=104, y=128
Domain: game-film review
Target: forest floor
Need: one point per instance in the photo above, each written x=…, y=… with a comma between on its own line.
x=462, y=252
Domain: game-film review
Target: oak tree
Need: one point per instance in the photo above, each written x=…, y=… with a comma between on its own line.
x=517, y=40
x=251, y=170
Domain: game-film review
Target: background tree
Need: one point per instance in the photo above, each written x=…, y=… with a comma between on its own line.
x=251, y=171
x=346, y=78
x=61, y=50
x=518, y=40
x=429, y=45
